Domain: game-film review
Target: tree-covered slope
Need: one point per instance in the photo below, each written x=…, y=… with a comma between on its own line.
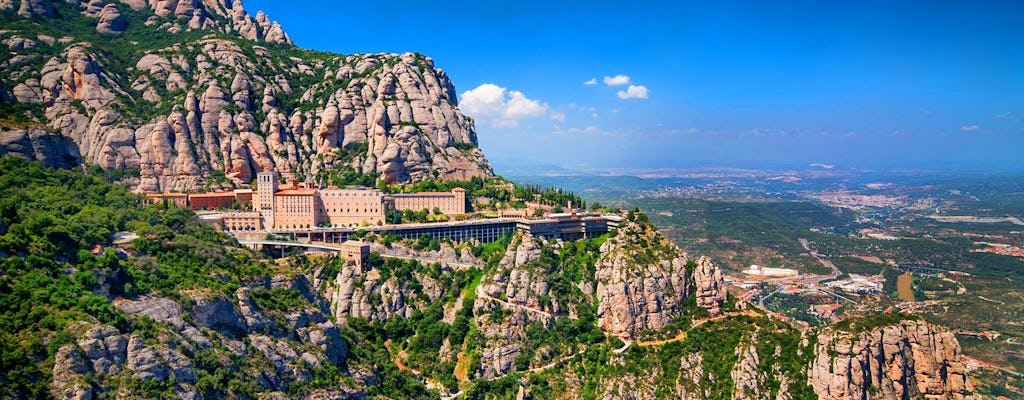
x=178, y=310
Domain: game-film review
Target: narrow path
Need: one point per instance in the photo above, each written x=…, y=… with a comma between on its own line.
x=556, y=362
x=480, y=293
x=624, y=347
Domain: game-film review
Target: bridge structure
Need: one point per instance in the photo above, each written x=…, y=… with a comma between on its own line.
x=560, y=226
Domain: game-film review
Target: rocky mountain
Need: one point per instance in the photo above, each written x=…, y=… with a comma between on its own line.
x=189, y=94
x=291, y=343
x=199, y=94
x=907, y=359
x=183, y=311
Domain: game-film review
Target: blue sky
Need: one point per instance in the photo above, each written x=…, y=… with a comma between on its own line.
x=720, y=83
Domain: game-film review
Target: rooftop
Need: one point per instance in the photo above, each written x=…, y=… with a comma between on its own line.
x=296, y=192
x=166, y=195
x=214, y=194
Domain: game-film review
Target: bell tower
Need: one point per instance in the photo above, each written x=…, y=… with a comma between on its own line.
x=266, y=186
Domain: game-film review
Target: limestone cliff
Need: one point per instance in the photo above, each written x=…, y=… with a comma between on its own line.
x=518, y=286
x=907, y=359
x=710, y=286
x=641, y=281
x=222, y=95
x=169, y=15
x=376, y=293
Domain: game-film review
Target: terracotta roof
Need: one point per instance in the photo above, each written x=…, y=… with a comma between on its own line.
x=217, y=194
x=161, y=195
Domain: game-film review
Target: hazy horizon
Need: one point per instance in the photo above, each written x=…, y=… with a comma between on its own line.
x=867, y=85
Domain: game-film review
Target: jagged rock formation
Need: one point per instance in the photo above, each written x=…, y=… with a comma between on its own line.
x=293, y=342
x=747, y=374
x=518, y=285
x=213, y=111
x=641, y=281
x=692, y=382
x=521, y=277
x=364, y=292
x=908, y=359
x=447, y=253
x=30, y=8
x=52, y=150
x=709, y=285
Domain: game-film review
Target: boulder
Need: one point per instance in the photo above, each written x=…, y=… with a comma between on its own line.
x=111, y=20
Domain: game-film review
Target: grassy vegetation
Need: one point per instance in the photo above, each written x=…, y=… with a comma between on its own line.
x=50, y=220
x=657, y=369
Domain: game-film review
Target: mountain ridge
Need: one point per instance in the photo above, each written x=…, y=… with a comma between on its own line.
x=200, y=95
x=210, y=110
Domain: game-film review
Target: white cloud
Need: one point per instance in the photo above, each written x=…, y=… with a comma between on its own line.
x=617, y=80
x=969, y=128
x=558, y=116
x=633, y=92
x=588, y=129
x=500, y=107
x=591, y=82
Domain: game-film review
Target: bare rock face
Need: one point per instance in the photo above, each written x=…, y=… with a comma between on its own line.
x=51, y=149
x=111, y=20
x=366, y=293
x=177, y=120
x=693, y=383
x=518, y=288
x=909, y=359
x=293, y=342
x=629, y=387
x=709, y=285
x=641, y=281
x=747, y=374
x=35, y=8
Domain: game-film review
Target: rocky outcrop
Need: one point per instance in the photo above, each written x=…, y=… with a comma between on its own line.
x=692, y=382
x=521, y=279
x=110, y=20
x=518, y=287
x=747, y=374
x=365, y=292
x=35, y=9
x=282, y=344
x=51, y=149
x=447, y=253
x=641, y=281
x=709, y=286
x=193, y=110
x=907, y=359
